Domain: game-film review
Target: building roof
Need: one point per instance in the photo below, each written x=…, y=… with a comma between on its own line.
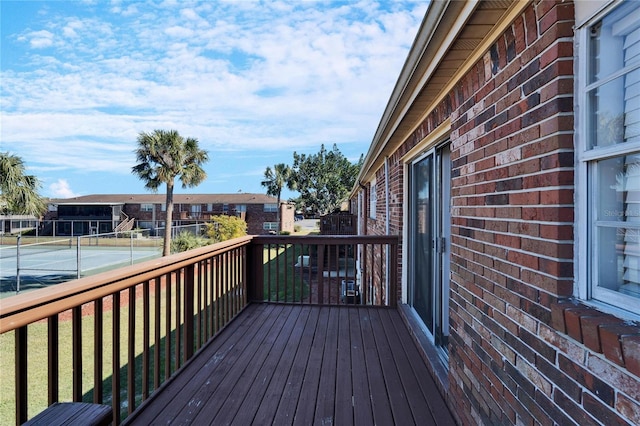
x=237, y=198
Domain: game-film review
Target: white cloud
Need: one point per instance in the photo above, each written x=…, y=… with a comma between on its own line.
x=236, y=75
x=40, y=39
x=61, y=189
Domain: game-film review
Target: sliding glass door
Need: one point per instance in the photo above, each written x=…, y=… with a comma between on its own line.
x=429, y=234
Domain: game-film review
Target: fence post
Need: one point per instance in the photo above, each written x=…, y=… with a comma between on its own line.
x=18, y=264
x=78, y=258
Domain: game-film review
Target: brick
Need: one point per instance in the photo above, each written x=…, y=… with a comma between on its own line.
x=618, y=377
x=557, y=316
x=586, y=378
x=559, y=379
x=574, y=351
x=631, y=354
x=591, y=328
x=561, y=12
x=601, y=411
x=628, y=408
x=610, y=339
x=574, y=410
x=572, y=321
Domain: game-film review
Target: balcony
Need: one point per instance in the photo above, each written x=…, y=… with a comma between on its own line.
x=270, y=329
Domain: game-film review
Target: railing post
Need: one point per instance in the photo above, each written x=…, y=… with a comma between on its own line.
x=255, y=272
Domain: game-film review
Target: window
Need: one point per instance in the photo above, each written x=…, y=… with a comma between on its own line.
x=225, y=208
x=270, y=226
x=146, y=207
x=241, y=208
x=373, y=199
x=270, y=208
x=196, y=208
x=609, y=154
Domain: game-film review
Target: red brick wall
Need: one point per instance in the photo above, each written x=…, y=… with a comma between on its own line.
x=512, y=152
x=512, y=239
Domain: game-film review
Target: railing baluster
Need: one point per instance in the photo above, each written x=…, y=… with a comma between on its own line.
x=218, y=292
x=167, y=338
x=115, y=344
x=320, y=289
x=156, y=340
x=197, y=307
x=393, y=275
x=179, y=319
x=76, y=321
x=189, y=283
x=145, y=340
x=245, y=275
x=131, y=352
x=53, y=358
x=21, y=374
x=98, y=335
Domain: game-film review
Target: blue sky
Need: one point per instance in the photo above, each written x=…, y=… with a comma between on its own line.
x=252, y=81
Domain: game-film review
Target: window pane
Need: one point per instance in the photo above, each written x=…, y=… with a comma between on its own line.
x=619, y=260
x=614, y=103
x=607, y=109
x=617, y=226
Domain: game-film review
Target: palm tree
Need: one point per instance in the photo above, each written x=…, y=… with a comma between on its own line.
x=163, y=156
x=275, y=179
x=18, y=191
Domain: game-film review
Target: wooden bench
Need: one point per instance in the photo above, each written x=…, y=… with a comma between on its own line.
x=74, y=413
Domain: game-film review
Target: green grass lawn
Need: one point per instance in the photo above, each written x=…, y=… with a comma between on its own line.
x=287, y=281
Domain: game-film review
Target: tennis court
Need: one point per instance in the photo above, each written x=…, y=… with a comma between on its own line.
x=43, y=265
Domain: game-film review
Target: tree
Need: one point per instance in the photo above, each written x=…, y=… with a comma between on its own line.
x=323, y=179
x=18, y=191
x=162, y=156
x=277, y=178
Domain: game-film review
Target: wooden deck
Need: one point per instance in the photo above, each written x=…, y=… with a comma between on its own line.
x=292, y=364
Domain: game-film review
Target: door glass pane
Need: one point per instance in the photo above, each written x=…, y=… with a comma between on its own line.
x=423, y=241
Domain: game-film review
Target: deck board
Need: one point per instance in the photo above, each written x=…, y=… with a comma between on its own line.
x=291, y=364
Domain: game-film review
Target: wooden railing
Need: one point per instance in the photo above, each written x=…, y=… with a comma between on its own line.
x=345, y=269
x=133, y=328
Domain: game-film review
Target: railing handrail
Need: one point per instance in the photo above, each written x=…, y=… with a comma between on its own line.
x=20, y=310
x=26, y=308
x=326, y=239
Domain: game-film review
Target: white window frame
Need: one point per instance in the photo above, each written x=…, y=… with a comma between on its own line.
x=270, y=226
x=271, y=208
x=146, y=207
x=585, y=285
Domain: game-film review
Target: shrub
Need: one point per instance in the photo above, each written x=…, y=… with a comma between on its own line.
x=187, y=241
x=223, y=228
